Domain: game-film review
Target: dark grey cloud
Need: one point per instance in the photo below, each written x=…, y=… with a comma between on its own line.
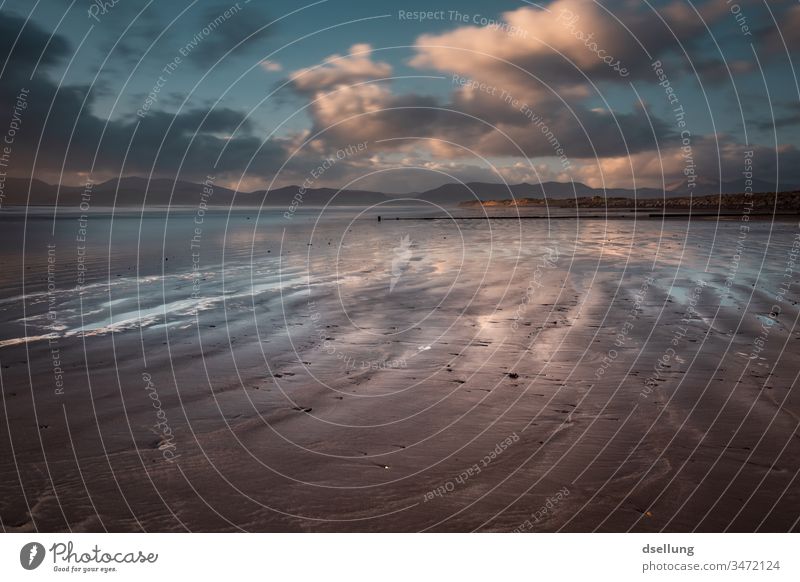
x=72, y=136
x=789, y=116
x=23, y=44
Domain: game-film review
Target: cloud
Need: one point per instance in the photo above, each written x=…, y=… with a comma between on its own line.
x=563, y=46
x=789, y=119
x=714, y=158
x=340, y=71
x=348, y=103
x=79, y=141
x=33, y=45
x=270, y=66
x=777, y=39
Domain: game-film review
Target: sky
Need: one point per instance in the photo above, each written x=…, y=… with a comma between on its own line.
x=611, y=93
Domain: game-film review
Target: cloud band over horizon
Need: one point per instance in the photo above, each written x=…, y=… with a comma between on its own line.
x=613, y=94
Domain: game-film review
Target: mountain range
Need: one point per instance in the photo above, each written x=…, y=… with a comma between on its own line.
x=131, y=191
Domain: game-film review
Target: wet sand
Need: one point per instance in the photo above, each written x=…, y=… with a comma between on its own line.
x=480, y=376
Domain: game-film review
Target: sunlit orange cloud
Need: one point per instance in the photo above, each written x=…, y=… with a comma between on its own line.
x=341, y=70
x=548, y=41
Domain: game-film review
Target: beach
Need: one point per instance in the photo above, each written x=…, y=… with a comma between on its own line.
x=331, y=372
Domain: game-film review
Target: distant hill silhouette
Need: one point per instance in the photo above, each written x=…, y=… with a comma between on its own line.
x=455, y=193
x=134, y=191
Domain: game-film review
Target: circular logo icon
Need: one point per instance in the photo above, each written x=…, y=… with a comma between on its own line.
x=31, y=555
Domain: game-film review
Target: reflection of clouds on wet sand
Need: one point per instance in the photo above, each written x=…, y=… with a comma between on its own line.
x=301, y=373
